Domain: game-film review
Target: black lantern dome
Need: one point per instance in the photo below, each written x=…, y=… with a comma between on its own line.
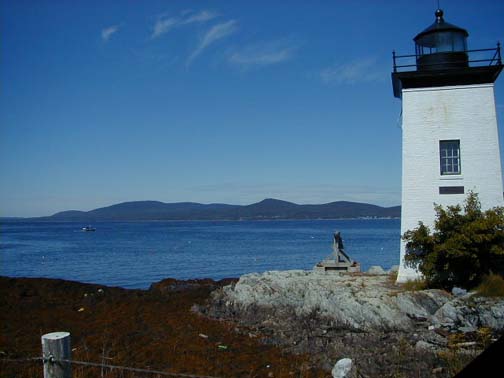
x=441, y=46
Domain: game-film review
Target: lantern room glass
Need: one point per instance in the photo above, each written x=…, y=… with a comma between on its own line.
x=441, y=41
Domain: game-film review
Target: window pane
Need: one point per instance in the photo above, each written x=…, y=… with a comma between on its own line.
x=449, y=156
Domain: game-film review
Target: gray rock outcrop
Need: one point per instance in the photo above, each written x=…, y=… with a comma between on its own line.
x=364, y=317
x=458, y=292
x=376, y=269
x=393, y=269
x=358, y=302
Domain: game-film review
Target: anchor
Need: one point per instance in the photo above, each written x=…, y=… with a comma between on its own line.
x=339, y=260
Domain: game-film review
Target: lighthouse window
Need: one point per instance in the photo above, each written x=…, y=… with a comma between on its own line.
x=449, y=152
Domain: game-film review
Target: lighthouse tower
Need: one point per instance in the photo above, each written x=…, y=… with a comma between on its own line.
x=450, y=142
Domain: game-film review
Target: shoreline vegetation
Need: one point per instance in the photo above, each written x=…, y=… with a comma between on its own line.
x=261, y=325
x=154, y=329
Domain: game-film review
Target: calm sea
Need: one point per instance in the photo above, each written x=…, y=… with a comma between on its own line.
x=136, y=254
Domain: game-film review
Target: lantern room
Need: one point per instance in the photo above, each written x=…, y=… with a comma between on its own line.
x=442, y=58
x=441, y=46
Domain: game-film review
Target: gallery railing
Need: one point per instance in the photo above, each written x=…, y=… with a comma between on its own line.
x=475, y=58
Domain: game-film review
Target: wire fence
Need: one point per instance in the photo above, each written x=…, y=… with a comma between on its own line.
x=52, y=360
x=26, y=359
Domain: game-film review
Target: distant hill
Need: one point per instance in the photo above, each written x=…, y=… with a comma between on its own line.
x=266, y=209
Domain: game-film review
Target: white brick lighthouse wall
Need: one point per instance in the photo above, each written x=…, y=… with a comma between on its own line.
x=464, y=113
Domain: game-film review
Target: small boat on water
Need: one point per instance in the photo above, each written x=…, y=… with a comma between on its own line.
x=88, y=228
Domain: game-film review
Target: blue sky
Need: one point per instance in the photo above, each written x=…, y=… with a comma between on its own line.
x=208, y=101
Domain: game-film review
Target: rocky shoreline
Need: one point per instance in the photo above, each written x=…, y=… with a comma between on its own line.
x=274, y=324
x=385, y=330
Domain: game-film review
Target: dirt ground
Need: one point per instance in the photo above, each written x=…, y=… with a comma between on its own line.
x=153, y=329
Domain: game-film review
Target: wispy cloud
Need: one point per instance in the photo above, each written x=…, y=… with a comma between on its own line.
x=357, y=71
x=164, y=24
x=108, y=32
x=201, y=16
x=260, y=55
x=214, y=34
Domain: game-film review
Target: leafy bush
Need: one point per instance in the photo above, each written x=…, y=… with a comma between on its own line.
x=465, y=245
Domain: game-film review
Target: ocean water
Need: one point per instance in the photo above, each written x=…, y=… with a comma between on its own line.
x=136, y=254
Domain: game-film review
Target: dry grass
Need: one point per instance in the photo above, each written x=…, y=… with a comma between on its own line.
x=454, y=361
x=456, y=357
x=392, y=277
x=484, y=337
x=414, y=285
x=492, y=285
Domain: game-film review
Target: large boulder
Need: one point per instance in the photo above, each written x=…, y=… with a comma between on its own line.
x=467, y=314
x=421, y=305
x=344, y=368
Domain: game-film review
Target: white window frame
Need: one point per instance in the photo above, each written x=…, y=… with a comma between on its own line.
x=449, y=157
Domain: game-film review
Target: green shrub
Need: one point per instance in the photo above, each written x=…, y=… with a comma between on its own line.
x=492, y=285
x=464, y=246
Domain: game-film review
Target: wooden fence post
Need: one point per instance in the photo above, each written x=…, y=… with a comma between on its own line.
x=56, y=346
